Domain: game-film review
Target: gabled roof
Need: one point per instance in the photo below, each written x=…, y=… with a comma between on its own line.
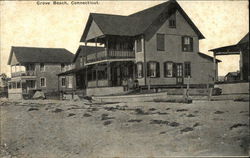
x=134, y=24
x=86, y=50
x=207, y=57
x=40, y=55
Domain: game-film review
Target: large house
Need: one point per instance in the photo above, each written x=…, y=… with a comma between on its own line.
x=154, y=48
x=35, y=69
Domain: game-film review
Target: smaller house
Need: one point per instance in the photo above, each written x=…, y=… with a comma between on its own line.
x=35, y=69
x=232, y=76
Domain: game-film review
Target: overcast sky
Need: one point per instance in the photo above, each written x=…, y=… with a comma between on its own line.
x=28, y=24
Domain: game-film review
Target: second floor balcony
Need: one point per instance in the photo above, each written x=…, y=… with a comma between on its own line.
x=109, y=55
x=23, y=73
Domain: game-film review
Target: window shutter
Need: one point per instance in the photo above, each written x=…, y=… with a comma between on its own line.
x=182, y=43
x=136, y=73
x=165, y=69
x=157, y=69
x=148, y=69
x=142, y=69
x=174, y=70
x=191, y=44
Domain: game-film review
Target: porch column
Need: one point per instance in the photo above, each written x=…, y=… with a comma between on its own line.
x=107, y=47
x=86, y=77
x=135, y=46
x=241, y=65
x=215, y=71
x=108, y=74
x=96, y=75
x=96, y=48
x=134, y=76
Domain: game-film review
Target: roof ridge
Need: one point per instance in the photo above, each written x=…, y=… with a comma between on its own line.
x=108, y=14
x=36, y=47
x=144, y=10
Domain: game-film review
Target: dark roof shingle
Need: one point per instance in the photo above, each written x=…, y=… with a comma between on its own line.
x=41, y=55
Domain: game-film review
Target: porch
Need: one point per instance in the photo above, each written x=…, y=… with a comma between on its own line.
x=108, y=54
x=110, y=74
x=19, y=87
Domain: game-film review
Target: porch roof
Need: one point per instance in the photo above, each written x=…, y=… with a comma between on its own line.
x=69, y=72
x=226, y=50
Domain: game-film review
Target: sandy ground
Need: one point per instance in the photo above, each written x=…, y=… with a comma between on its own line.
x=52, y=129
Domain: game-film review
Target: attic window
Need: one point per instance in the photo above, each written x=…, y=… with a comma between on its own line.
x=172, y=21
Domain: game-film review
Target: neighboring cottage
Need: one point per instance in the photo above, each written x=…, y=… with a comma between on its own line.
x=232, y=76
x=154, y=48
x=35, y=69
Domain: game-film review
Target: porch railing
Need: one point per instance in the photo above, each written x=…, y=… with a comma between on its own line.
x=110, y=54
x=23, y=73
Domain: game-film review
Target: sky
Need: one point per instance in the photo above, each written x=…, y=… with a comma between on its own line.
x=61, y=26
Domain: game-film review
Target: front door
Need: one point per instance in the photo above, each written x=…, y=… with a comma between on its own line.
x=179, y=73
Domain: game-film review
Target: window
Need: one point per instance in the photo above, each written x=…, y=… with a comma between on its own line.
x=187, y=69
x=63, y=67
x=153, y=69
x=139, y=70
x=32, y=83
x=139, y=45
x=102, y=74
x=70, y=82
x=30, y=67
x=14, y=85
x=172, y=21
x=160, y=40
x=168, y=69
x=89, y=75
x=42, y=68
x=81, y=61
x=42, y=82
x=63, y=82
x=18, y=85
x=187, y=44
x=9, y=85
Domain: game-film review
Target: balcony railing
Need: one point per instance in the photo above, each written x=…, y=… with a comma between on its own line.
x=23, y=73
x=110, y=54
